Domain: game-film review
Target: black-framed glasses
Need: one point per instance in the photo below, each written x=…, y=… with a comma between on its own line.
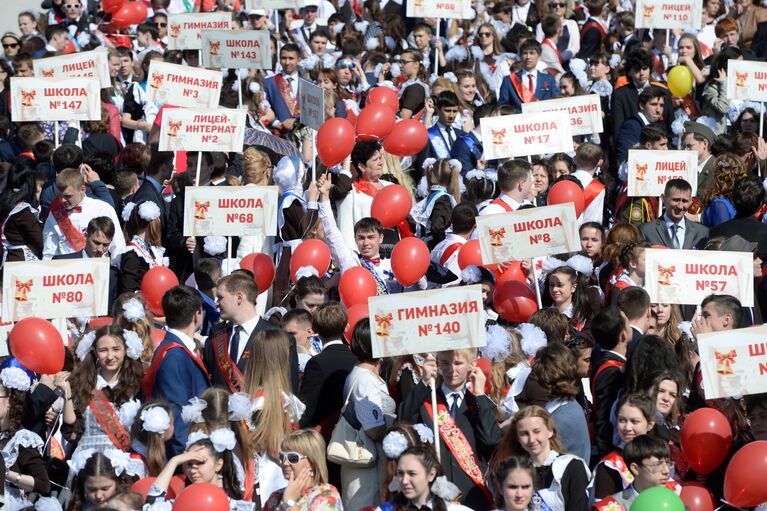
x=292, y=457
x=11, y=45
x=408, y=61
x=485, y=34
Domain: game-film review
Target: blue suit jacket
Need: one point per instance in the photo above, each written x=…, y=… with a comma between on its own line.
x=177, y=380
x=466, y=152
x=545, y=88
x=275, y=99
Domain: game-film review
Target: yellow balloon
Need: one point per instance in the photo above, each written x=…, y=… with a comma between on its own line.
x=680, y=81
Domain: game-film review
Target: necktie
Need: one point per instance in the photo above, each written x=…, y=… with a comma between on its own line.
x=674, y=236
x=450, y=135
x=530, y=85
x=290, y=80
x=234, y=344
x=454, y=406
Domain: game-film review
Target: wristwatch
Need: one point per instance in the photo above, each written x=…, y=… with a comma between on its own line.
x=287, y=504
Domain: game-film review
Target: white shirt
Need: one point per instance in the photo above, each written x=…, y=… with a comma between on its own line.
x=519, y=13
x=449, y=396
x=54, y=241
x=452, y=262
x=594, y=211
x=247, y=331
x=293, y=81
x=679, y=232
x=492, y=209
x=526, y=80
x=187, y=341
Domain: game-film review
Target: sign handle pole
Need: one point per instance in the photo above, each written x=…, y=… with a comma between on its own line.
x=436, y=53
x=199, y=164
x=239, y=92
x=314, y=155
x=535, y=284
x=228, y=255
x=529, y=159
x=79, y=135
x=435, y=421
x=660, y=207
x=56, y=133
x=761, y=133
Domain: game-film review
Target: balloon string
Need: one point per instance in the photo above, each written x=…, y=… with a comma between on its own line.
x=729, y=504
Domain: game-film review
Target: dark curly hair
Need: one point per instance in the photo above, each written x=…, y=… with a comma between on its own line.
x=84, y=376
x=98, y=465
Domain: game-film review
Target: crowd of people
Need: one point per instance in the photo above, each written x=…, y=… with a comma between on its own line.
x=248, y=387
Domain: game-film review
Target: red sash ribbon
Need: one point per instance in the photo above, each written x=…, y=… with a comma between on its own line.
x=286, y=91
x=592, y=191
x=553, y=46
x=147, y=383
x=459, y=446
x=449, y=251
x=231, y=373
x=502, y=203
x=525, y=94
x=74, y=237
x=107, y=417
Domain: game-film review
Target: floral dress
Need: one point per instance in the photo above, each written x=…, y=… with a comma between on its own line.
x=323, y=497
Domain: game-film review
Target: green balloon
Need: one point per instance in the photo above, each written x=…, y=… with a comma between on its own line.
x=657, y=499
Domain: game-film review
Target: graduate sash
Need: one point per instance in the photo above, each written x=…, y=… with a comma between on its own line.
x=525, y=94
x=286, y=91
x=615, y=461
x=459, y=446
x=551, y=45
x=231, y=373
x=502, y=203
x=606, y=365
x=147, y=383
x=107, y=417
x=449, y=251
x=438, y=143
x=74, y=237
x=592, y=191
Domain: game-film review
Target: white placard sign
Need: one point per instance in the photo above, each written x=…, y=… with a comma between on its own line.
x=747, y=80
x=733, y=362
x=64, y=288
x=668, y=14
x=55, y=99
x=186, y=129
x=427, y=321
x=312, y=100
x=183, y=86
x=87, y=64
x=585, y=112
x=234, y=49
x=649, y=171
x=547, y=230
x=272, y=4
x=184, y=29
x=688, y=276
x=230, y=210
x=457, y=9
x=509, y=136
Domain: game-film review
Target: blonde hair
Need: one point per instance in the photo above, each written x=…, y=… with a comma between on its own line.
x=267, y=371
x=216, y=415
x=510, y=445
x=69, y=177
x=311, y=444
x=393, y=166
x=469, y=353
x=442, y=174
x=256, y=167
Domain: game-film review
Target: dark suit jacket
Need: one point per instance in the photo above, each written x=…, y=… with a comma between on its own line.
x=478, y=420
x=462, y=151
x=322, y=389
x=749, y=228
x=114, y=275
x=545, y=88
x=148, y=192
x=209, y=356
x=655, y=232
x=705, y=175
x=605, y=391
x=281, y=110
x=625, y=103
x=178, y=379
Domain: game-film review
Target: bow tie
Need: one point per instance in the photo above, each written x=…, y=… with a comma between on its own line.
x=373, y=260
x=76, y=209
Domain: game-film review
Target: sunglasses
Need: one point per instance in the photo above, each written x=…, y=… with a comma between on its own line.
x=555, y=5
x=12, y=45
x=291, y=456
x=162, y=25
x=485, y=34
x=346, y=65
x=71, y=6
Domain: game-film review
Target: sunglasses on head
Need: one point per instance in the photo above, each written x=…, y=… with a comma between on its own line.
x=291, y=456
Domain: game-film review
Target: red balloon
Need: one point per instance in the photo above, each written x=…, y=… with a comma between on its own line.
x=335, y=141
x=409, y=260
x=408, y=137
x=262, y=267
x=142, y=486
x=356, y=286
x=205, y=496
x=383, y=96
x=706, y=439
x=486, y=366
x=156, y=335
x=112, y=6
x=375, y=122
x=514, y=301
x=131, y=13
x=564, y=192
x=696, y=497
x=469, y=255
x=391, y=205
x=356, y=313
x=177, y=485
x=513, y=271
x=310, y=253
x=744, y=479
x=37, y=345
x=155, y=283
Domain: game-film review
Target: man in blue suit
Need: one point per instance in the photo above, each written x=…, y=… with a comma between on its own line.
x=282, y=89
x=528, y=84
x=177, y=373
x=467, y=149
